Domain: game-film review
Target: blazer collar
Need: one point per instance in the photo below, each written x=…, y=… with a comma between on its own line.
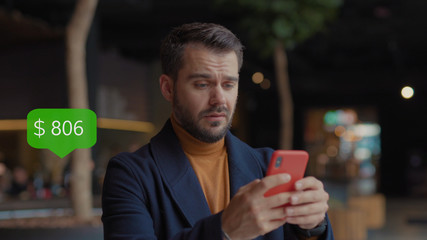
x=178, y=175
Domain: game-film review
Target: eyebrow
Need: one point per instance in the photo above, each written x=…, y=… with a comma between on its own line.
x=208, y=76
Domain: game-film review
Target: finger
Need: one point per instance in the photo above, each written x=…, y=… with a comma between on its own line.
x=275, y=214
x=279, y=199
x=309, y=196
x=271, y=181
x=307, y=209
x=272, y=219
x=308, y=183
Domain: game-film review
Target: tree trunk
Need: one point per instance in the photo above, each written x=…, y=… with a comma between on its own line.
x=81, y=165
x=285, y=97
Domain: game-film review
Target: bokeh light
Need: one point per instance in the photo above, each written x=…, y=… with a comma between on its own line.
x=266, y=84
x=407, y=92
x=257, y=77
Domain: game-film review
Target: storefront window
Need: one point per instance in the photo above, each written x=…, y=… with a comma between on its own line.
x=344, y=145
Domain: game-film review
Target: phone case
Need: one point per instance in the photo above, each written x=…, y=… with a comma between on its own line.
x=292, y=162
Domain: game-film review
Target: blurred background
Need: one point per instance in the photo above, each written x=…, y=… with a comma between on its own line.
x=358, y=84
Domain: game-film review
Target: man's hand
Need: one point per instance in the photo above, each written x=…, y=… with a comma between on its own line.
x=250, y=214
x=308, y=204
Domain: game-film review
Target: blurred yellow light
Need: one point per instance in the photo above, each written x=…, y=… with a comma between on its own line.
x=339, y=131
x=407, y=92
x=127, y=125
x=13, y=124
x=265, y=84
x=257, y=77
x=349, y=136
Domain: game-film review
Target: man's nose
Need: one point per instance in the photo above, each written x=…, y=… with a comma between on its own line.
x=217, y=96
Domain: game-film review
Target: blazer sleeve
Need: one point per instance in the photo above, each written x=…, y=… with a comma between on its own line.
x=208, y=228
x=126, y=214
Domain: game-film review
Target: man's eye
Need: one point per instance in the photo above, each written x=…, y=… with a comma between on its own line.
x=229, y=85
x=201, y=85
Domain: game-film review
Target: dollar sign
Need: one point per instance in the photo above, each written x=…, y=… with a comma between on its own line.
x=39, y=122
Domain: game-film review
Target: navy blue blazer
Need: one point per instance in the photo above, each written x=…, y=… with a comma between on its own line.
x=154, y=193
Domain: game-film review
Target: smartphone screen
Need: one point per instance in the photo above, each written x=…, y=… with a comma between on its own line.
x=292, y=162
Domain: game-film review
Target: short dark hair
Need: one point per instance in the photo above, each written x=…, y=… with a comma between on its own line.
x=212, y=36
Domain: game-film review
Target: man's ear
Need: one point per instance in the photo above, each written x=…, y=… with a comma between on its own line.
x=166, y=86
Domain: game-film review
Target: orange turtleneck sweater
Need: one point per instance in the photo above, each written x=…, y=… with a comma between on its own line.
x=210, y=163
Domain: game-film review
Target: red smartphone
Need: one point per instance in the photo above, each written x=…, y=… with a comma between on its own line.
x=292, y=162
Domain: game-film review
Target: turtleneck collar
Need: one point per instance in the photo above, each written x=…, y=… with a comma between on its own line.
x=192, y=145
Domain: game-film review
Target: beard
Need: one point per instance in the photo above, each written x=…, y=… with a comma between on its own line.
x=195, y=128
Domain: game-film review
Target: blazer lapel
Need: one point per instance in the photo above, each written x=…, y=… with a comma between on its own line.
x=244, y=165
x=178, y=175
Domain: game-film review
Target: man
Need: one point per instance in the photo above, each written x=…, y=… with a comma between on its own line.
x=195, y=180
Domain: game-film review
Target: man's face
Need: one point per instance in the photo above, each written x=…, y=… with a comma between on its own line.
x=205, y=92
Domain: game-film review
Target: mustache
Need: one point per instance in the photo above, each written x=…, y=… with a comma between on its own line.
x=217, y=109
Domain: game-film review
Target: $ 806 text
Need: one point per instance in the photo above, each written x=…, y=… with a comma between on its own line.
x=57, y=130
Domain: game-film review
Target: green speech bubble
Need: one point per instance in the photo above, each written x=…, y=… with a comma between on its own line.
x=61, y=129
